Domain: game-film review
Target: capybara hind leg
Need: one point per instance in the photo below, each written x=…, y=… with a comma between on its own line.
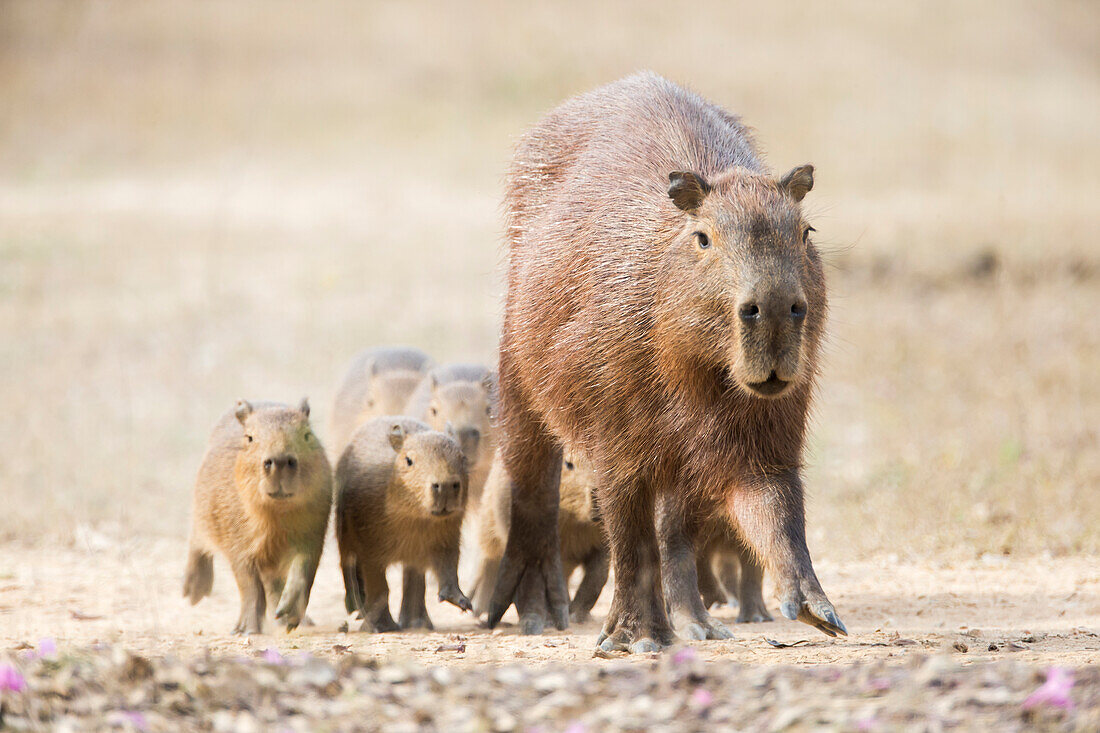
x=681, y=584
x=295, y=596
x=483, y=586
x=198, y=578
x=591, y=585
x=253, y=601
x=376, y=599
x=637, y=621
x=728, y=568
x=708, y=584
x=751, y=590
x=530, y=571
x=771, y=515
x=414, y=613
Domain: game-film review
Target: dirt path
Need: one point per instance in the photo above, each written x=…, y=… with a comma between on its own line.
x=1040, y=611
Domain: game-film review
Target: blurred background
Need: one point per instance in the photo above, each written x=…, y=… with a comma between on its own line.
x=201, y=201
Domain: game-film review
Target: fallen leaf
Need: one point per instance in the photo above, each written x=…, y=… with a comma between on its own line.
x=784, y=645
x=81, y=616
x=460, y=648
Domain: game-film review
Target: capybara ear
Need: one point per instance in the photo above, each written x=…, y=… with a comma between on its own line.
x=687, y=190
x=244, y=409
x=303, y=407
x=798, y=182
x=397, y=436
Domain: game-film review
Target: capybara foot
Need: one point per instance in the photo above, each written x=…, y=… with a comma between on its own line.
x=532, y=583
x=579, y=617
x=753, y=613
x=531, y=624
x=451, y=594
x=706, y=627
x=291, y=611
x=247, y=627
x=621, y=642
x=381, y=624
x=417, y=622
x=811, y=607
x=637, y=638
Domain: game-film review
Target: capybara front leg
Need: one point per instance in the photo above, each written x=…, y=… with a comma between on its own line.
x=253, y=601
x=414, y=613
x=592, y=582
x=637, y=622
x=295, y=596
x=445, y=567
x=681, y=584
x=769, y=510
x=530, y=572
x=750, y=589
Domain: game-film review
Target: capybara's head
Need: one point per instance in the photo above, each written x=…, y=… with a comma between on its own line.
x=466, y=407
x=578, y=486
x=431, y=464
x=742, y=289
x=279, y=454
x=388, y=391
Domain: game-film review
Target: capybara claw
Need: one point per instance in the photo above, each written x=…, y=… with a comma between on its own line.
x=645, y=646
x=693, y=632
x=818, y=613
x=456, y=598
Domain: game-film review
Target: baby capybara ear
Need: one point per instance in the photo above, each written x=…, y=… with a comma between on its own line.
x=687, y=190
x=244, y=409
x=798, y=182
x=397, y=437
x=303, y=407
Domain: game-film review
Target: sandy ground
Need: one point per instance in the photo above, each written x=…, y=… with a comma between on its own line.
x=1039, y=611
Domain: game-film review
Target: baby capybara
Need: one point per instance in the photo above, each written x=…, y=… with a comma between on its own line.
x=378, y=382
x=400, y=498
x=262, y=498
x=664, y=311
x=582, y=540
x=461, y=395
x=730, y=573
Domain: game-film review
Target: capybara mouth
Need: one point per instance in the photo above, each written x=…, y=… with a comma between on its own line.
x=773, y=386
x=437, y=512
x=280, y=494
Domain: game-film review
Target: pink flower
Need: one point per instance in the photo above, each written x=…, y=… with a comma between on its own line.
x=576, y=728
x=47, y=648
x=11, y=680
x=684, y=655
x=1055, y=691
x=701, y=698
x=130, y=717
x=272, y=656
x=867, y=723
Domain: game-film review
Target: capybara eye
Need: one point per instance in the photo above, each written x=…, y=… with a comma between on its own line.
x=408, y=461
x=569, y=465
x=798, y=310
x=434, y=412
x=806, y=234
x=249, y=438
x=702, y=239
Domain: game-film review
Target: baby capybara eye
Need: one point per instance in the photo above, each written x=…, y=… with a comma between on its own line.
x=408, y=461
x=569, y=465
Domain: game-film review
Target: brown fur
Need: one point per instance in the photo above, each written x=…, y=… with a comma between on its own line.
x=272, y=543
x=388, y=511
x=643, y=231
x=582, y=540
x=378, y=382
x=461, y=395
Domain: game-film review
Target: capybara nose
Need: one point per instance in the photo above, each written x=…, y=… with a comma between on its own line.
x=274, y=463
x=776, y=309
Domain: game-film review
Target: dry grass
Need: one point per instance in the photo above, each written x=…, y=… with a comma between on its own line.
x=201, y=201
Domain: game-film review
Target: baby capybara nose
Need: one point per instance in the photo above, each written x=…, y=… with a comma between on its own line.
x=271, y=463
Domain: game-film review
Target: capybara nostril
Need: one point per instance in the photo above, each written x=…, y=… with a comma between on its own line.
x=798, y=310
x=749, y=312
x=456, y=487
x=435, y=488
x=269, y=463
x=292, y=463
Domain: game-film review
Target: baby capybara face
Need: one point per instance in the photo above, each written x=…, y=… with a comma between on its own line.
x=432, y=465
x=388, y=392
x=465, y=405
x=756, y=289
x=578, y=487
x=278, y=450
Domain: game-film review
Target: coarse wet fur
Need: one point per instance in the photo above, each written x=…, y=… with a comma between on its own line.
x=378, y=382
x=401, y=495
x=461, y=395
x=582, y=539
x=262, y=498
x=664, y=312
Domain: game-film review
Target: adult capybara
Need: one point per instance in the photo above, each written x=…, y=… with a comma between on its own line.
x=400, y=498
x=461, y=395
x=378, y=382
x=664, y=310
x=262, y=498
x=582, y=539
